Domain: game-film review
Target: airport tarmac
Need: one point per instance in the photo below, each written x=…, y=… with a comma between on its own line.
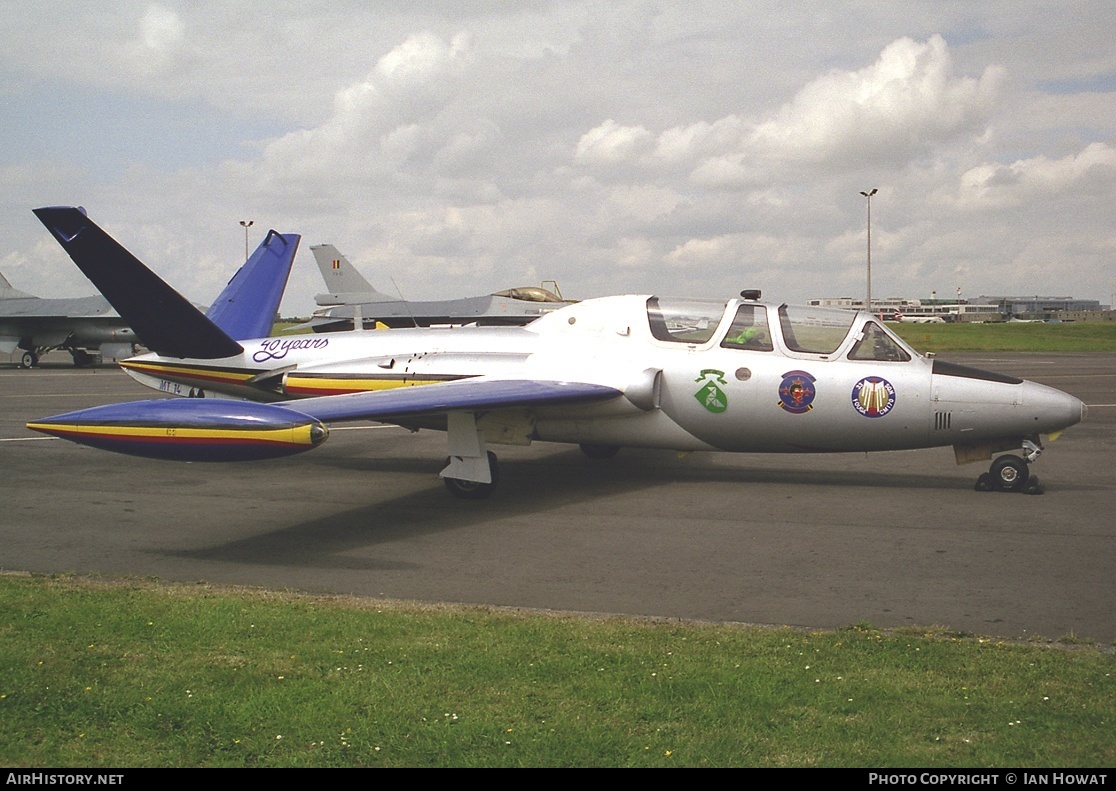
x=891, y=539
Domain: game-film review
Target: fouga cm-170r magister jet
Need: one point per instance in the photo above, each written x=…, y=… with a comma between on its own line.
x=624, y=371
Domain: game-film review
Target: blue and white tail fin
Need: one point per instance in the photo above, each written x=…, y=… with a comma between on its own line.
x=247, y=307
x=344, y=283
x=164, y=320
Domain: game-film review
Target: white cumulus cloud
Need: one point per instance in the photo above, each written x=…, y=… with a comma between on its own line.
x=613, y=143
x=643, y=147
x=904, y=103
x=1001, y=186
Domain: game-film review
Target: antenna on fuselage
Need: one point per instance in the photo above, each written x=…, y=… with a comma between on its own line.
x=406, y=304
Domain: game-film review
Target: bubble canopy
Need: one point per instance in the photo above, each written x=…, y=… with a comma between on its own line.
x=801, y=330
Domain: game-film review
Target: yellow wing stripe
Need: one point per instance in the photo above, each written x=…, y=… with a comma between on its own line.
x=295, y=435
x=313, y=385
x=188, y=372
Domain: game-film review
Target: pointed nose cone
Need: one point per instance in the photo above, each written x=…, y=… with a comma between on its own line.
x=983, y=405
x=1052, y=409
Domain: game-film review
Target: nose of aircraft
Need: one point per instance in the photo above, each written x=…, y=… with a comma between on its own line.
x=1053, y=410
x=977, y=405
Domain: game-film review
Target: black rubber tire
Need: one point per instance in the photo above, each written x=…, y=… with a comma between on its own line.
x=1009, y=473
x=600, y=452
x=472, y=490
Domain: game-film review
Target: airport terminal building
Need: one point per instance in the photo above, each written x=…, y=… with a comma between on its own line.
x=982, y=308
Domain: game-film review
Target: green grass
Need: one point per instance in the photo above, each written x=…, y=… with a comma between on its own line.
x=285, y=327
x=1070, y=337
x=134, y=674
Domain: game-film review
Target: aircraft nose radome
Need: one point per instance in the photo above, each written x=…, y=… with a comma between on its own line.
x=1054, y=409
x=1076, y=408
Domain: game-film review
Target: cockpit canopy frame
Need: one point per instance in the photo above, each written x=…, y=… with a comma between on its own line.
x=805, y=332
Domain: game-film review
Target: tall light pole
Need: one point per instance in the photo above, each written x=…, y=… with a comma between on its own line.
x=869, y=195
x=249, y=223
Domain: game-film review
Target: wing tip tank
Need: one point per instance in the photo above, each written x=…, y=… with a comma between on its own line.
x=190, y=429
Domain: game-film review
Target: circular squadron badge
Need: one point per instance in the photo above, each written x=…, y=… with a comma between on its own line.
x=796, y=393
x=873, y=396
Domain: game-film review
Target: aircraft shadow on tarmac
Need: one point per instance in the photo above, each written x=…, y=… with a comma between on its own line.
x=529, y=486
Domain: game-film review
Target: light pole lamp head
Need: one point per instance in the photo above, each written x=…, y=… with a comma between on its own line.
x=869, y=194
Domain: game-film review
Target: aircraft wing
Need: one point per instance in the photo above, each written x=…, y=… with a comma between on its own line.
x=32, y=308
x=480, y=393
x=218, y=429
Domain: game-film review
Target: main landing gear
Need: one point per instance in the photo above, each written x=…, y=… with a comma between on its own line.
x=473, y=490
x=471, y=472
x=82, y=358
x=1011, y=473
x=31, y=357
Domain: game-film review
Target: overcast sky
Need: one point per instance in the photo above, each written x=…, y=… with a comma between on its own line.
x=682, y=148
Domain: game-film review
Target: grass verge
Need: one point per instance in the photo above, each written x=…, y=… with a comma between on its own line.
x=135, y=674
x=1070, y=337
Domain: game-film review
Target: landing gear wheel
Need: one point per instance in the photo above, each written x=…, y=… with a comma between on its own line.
x=82, y=359
x=600, y=452
x=28, y=360
x=474, y=490
x=1009, y=474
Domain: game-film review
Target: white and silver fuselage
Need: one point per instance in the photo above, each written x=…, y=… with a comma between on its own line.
x=731, y=376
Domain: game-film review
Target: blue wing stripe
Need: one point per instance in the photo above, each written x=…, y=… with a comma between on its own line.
x=183, y=412
x=470, y=394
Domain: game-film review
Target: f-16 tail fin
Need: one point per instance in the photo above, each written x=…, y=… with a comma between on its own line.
x=345, y=284
x=163, y=319
x=7, y=291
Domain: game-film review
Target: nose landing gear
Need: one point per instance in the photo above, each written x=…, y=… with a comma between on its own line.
x=1010, y=473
